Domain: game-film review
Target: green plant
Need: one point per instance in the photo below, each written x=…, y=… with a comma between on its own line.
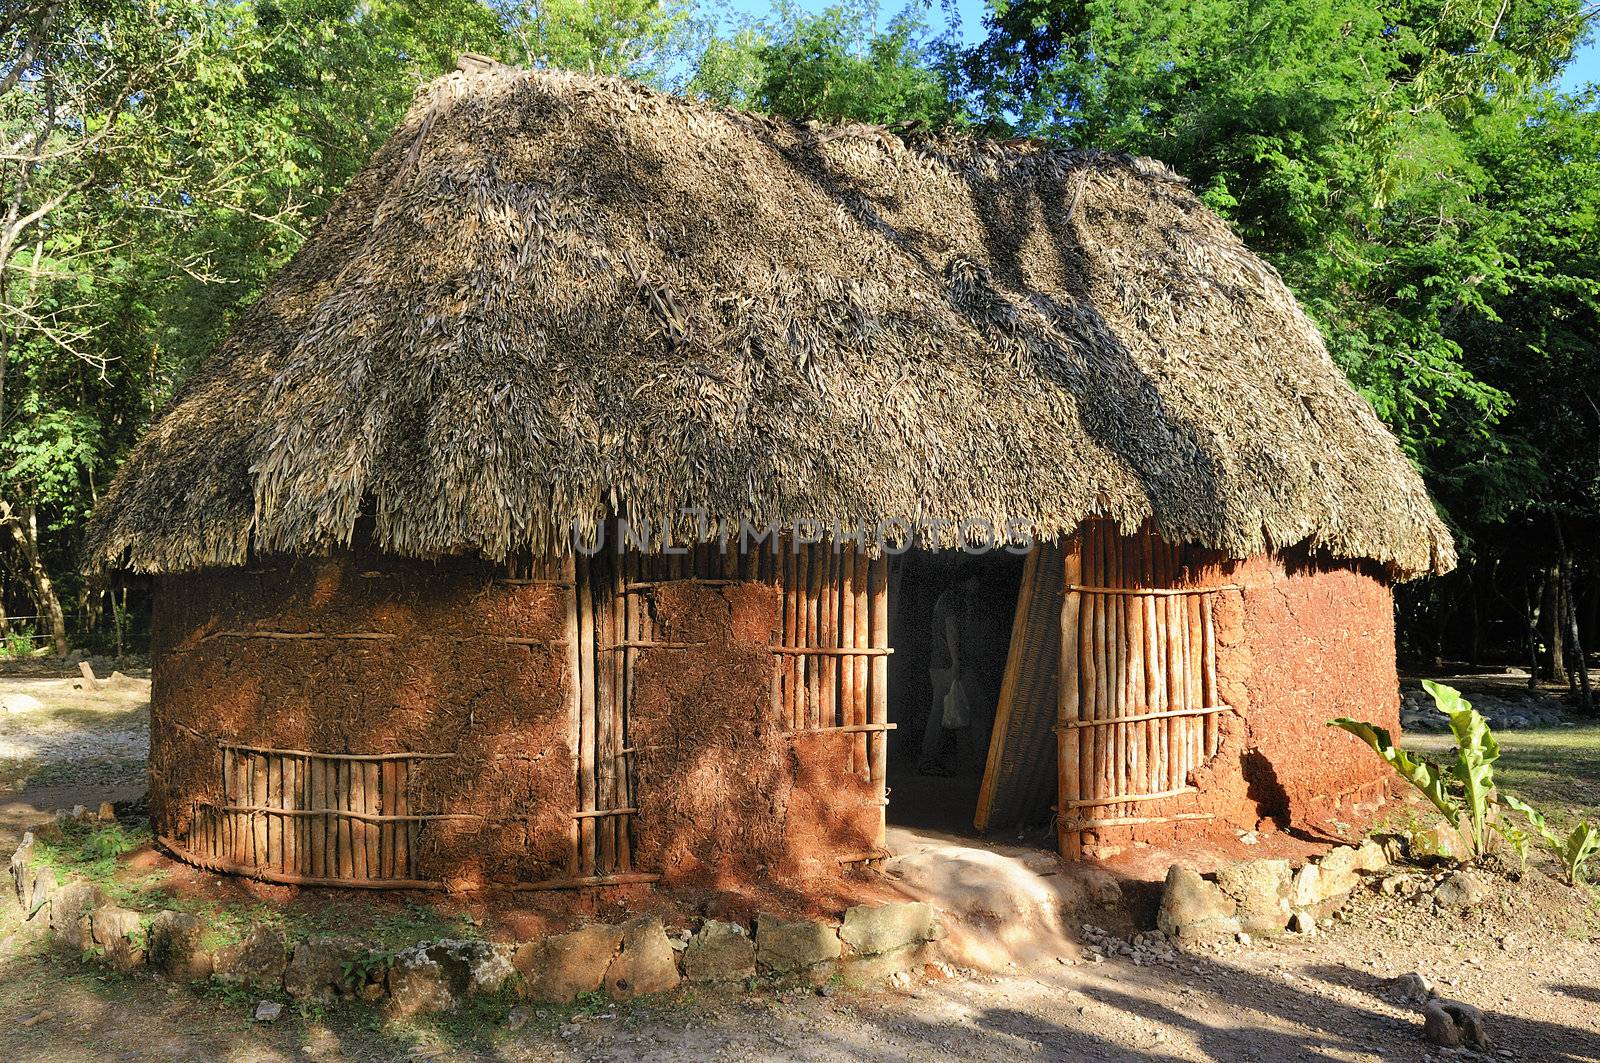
x=1574, y=851
x=17, y=643
x=1473, y=772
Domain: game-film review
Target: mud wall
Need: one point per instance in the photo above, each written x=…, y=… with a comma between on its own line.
x=1299, y=641
x=452, y=659
x=438, y=677
x=1318, y=642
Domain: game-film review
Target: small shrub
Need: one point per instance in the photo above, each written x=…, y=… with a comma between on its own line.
x=1574, y=851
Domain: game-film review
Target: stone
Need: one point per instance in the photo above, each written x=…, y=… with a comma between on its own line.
x=42, y=886
x=647, y=963
x=69, y=913
x=1303, y=923
x=107, y=812
x=174, y=947
x=559, y=968
x=22, y=870
x=794, y=947
x=1102, y=887
x=1305, y=889
x=1459, y=891
x=1412, y=988
x=1336, y=872
x=719, y=952
x=1194, y=910
x=120, y=932
x=268, y=1011
x=317, y=968
x=1260, y=888
x=870, y=929
x=257, y=962
x=18, y=703
x=1452, y=1024
x=437, y=976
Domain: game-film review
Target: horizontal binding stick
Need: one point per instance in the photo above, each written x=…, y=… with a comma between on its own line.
x=344, y=813
x=601, y=813
x=516, y=582
x=288, y=878
x=1117, y=799
x=1128, y=821
x=834, y=651
x=863, y=857
x=636, y=644
x=849, y=728
x=336, y=756
x=625, y=878
x=368, y=635
x=1164, y=714
x=1147, y=592
x=651, y=584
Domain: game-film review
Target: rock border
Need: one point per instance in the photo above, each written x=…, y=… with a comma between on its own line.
x=1265, y=897
x=869, y=944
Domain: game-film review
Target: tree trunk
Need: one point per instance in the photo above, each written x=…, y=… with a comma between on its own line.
x=24, y=525
x=1531, y=616
x=1555, y=636
x=1475, y=646
x=1585, y=696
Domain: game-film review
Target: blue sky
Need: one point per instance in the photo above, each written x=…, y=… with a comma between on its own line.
x=1585, y=67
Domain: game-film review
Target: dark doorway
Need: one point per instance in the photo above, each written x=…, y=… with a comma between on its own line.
x=936, y=597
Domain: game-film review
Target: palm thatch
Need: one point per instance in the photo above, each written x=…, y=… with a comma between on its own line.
x=552, y=296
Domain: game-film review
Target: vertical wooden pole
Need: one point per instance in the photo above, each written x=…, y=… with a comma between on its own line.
x=358, y=827
x=374, y=842
x=622, y=669
x=1106, y=770
x=1173, y=644
x=1193, y=655
x=816, y=561
x=1088, y=666
x=317, y=798
x=1119, y=662
x=586, y=739
x=574, y=696
x=861, y=639
x=880, y=689
x=1208, y=632
x=829, y=634
x=258, y=789
x=605, y=639
x=1069, y=704
x=402, y=835
x=291, y=824
x=846, y=638
x=790, y=663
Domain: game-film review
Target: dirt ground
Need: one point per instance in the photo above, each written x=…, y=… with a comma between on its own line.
x=1529, y=958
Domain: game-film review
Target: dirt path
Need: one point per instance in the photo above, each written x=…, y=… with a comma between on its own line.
x=1529, y=958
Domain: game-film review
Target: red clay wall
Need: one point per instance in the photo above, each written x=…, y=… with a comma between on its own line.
x=1319, y=643
x=446, y=681
x=1299, y=642
x=728, y=802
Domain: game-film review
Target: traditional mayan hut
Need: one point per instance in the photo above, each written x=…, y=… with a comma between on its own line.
x=555, y=302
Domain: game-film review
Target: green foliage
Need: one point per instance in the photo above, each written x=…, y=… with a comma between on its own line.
x=834, y=65
x=1574, y=850
x=17, y=643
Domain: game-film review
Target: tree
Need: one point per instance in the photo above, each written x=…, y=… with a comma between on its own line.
x=834, y=65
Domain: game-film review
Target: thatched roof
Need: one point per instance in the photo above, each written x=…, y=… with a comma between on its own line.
x=550, y=296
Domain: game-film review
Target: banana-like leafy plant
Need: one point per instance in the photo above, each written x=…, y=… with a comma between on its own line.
x=1473, y=771
x=1574, y=851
